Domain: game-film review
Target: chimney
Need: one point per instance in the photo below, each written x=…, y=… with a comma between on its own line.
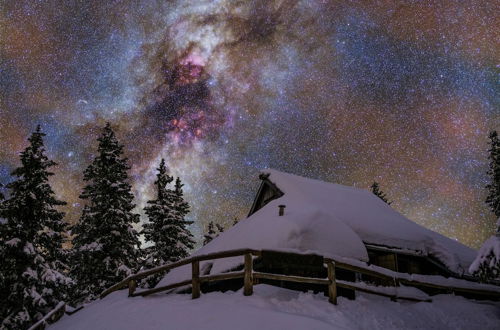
x=282, y=210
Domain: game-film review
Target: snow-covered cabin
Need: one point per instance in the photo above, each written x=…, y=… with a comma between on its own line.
x=337, y=221
x=390, y=240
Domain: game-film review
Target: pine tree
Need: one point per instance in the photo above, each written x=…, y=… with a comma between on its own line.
x=167, y=227
x=379, y=193
x=105, y=246
x=493, y=188
x=33, y=276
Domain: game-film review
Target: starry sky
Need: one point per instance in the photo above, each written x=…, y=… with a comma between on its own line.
x=399, y=92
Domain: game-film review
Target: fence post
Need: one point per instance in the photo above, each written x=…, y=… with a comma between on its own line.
x=195, y=284
x=248, y=278
x=132, y=285
x=332, y=286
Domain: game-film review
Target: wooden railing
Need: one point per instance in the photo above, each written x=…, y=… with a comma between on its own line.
x=53, y=316
x=250, y=277
x=132, y=280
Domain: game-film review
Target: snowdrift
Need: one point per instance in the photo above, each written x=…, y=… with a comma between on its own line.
x=277, y=308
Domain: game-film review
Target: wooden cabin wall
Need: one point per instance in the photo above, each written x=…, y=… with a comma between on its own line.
x=267, y=192
x=405, y=263
x=300, y=265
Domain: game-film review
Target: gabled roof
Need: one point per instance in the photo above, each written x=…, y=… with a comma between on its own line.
x=331, y=220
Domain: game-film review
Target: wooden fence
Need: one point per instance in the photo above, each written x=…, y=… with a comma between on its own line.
x=250, y=277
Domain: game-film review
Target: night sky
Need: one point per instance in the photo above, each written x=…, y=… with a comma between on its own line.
x=344, y=91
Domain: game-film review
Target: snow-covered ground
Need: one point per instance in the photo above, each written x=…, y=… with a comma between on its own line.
x=276, y=308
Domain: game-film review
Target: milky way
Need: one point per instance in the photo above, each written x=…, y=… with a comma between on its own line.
x=348, y=92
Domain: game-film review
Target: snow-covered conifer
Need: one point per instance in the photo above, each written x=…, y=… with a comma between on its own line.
x=487, y=263
x=379, y=193
x=33, y=276
x=493, y=187
x=166, y=227
x=212, y=233
x=106, y=245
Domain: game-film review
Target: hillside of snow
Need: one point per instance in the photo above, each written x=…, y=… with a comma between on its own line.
x=276, y=308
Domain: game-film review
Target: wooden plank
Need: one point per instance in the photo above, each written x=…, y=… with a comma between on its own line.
x=132, y=285
x=451, y=288
x=332, y=285
x=114, y=288
x=161, y=288
x=248, y=279
x=361, y=270
x=353, y=286
x=221, y=277
x=299, y=279
x=195, y=279
x=224, y=254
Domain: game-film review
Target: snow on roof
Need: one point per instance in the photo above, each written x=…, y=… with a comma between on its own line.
x=370, y=218
x=330, y=220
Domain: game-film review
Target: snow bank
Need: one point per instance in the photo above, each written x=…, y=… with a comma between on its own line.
x=277, y=308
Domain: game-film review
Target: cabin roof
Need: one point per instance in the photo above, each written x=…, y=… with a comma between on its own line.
x=372, y=220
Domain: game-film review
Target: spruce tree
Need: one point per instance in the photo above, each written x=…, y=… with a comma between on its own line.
x=33, y=276
x=212, y=233
x=493, y=187
x=185, y=241
x=3, y=276
x=487, y=263
x=105, y=246
x=166, y=227
x=379, y=193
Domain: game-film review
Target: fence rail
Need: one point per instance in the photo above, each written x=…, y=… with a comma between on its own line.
x=250, y=277
x=53, y=316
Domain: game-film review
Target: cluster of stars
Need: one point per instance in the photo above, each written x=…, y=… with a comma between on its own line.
x=402, y=93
